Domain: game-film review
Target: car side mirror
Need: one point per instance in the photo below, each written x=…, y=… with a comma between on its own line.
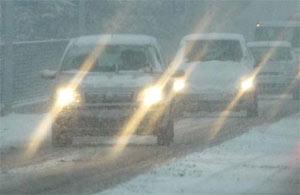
x=179, y=73
x=48, y=74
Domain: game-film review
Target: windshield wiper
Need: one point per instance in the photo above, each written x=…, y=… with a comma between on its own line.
x=116, y=66
x=104, y=68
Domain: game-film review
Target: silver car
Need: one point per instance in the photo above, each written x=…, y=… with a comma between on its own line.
x=103, y=82
x=279, y=67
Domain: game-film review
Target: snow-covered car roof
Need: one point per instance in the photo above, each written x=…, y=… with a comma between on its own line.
x=111, y=39
x=279, y=23
x=269, y=44
x=214, y=36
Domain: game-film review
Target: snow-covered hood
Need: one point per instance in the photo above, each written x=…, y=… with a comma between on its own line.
x=279, y=67
x=214, y=76
x=95, y=81
x=277, y=72
x=297, y=54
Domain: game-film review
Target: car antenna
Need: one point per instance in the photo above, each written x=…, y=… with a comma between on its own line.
x=151, y=69
x=116, y=68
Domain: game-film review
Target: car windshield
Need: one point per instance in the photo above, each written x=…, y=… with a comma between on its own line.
x=210, y=50
x=290, y=34
x=111, y=58
x=272, y=54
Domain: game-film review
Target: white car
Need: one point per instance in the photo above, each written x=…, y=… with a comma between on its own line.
x=120, y=74
x=278, y=67
x=218, y=70
x=288, y=30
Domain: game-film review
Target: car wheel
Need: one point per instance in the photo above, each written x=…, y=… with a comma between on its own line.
x=252, y=110
x=61, y=135
x=296, y=93
x=166, y=134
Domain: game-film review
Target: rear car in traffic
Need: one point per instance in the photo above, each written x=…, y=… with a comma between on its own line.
x=288, y=30
x=218, y=70
x=278, y=67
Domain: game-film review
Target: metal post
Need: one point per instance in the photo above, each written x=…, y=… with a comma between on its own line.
x=7, y=94
x=81, y=17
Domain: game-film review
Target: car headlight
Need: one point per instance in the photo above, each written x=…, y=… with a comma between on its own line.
x=152, y=95
x=178, y=84
x=247, y=84
x=66, y=96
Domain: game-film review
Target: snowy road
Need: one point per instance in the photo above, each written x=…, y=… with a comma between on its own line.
x=90, y=169
x=264, y=160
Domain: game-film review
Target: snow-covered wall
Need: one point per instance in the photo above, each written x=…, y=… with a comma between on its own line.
x=264, y=10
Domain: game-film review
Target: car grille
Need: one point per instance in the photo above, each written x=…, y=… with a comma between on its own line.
x=269, y=73
x=110, y=96
x=273, y=85
x=104, y=98
x=270, y=88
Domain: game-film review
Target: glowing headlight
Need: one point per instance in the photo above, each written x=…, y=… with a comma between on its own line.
x=178, y=85
x=152, y=95
x=66, y=96
x=247, y=84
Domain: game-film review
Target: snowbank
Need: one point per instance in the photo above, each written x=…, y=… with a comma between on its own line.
x=218, y=36
x=15, y=129
x=265, y=160
x=117, y=39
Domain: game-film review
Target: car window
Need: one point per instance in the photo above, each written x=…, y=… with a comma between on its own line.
x=155, y=57
x=111, y=58
x=158, y=57
x=272, y=54
x=291, y=34
x=210, y=50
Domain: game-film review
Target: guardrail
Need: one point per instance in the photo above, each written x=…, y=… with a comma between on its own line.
x=29, y=58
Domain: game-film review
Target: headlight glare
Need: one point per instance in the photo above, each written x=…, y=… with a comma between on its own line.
x=152, y=95
x=66, y=96
x=247, y=84
x=178, y=84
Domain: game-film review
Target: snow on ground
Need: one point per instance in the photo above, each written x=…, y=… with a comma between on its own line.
x=263, y=161
x=15, y=129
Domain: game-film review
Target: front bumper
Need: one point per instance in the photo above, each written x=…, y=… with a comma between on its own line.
x=110, y=119
x=274, y=84
x=273, y=88
x=216, y=102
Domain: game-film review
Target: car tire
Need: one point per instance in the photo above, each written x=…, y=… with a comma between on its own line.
x=166, y=134
x=61, y=135
x=296, y=94
x=252, y=110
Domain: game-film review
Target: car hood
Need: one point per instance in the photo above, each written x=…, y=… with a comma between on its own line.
x=297, y=53
x=94, y=81
x=214, y=76
x=278, y=67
